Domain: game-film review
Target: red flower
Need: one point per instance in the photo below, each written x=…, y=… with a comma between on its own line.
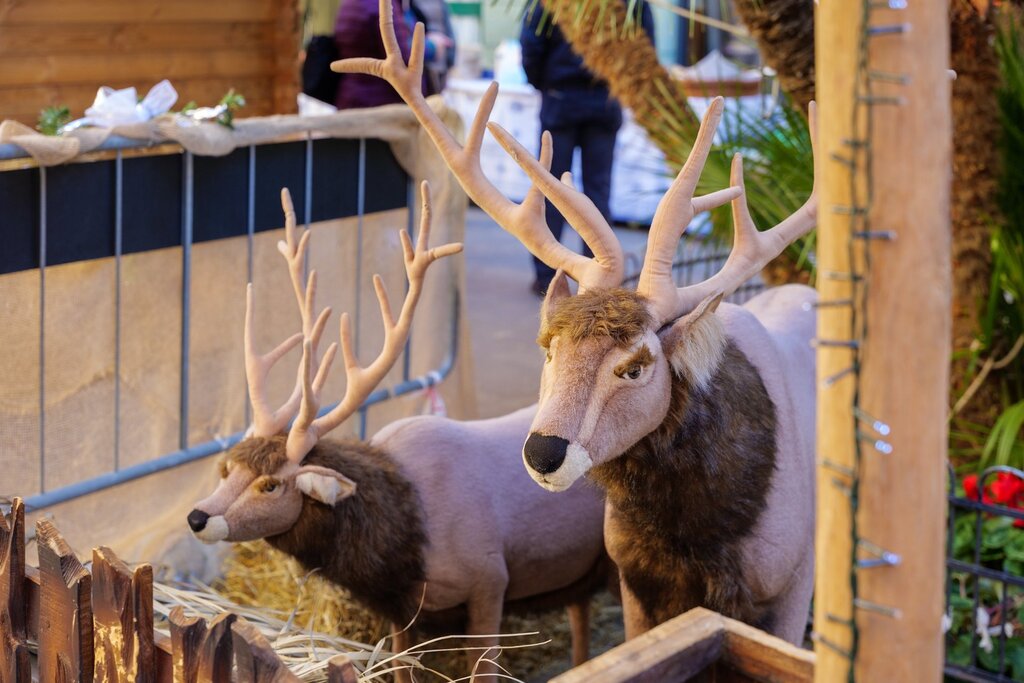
x=971, y=486
x=1007, y=490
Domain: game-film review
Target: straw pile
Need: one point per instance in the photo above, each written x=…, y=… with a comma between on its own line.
x=256, y=575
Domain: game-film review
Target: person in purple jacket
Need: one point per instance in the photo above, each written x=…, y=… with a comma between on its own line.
x=357, y=34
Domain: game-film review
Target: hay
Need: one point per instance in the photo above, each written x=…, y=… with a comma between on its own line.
x=258, y=576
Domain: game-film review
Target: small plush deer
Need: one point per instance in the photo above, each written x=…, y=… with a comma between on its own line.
x=697, y=419
x=433, y=520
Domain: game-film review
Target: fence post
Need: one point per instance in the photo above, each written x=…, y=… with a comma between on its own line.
x=65, y=610
x=187, y=637
x=255, y=659
x=341, y=670
x=215, y=657
x=122, y=602
x=15, y=666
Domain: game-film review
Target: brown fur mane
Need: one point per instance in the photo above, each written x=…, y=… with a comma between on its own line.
x=690, y=491
x=263, y=455
x=617, y=313
x=370, y=543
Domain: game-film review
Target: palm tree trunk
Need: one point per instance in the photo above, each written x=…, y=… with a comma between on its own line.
x=784, y=31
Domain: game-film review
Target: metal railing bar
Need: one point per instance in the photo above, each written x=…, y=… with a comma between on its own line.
x=962, y=673
x=410, y=203
x=186, y=298
x=250, y=239
x=209, y=448
x=360, y=211
x=118, y=248
x=984, y=572
x=42, y=329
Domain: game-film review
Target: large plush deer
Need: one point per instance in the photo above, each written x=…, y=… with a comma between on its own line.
x=433, y=519
x=696, y=418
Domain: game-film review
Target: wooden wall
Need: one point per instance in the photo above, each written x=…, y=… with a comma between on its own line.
x=61, y=51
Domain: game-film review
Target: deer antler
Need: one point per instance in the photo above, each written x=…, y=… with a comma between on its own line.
x=525, y=221
x=752, y=250
x=307, y=428
x=266, y=420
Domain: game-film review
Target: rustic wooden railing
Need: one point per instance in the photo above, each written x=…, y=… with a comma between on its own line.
x=99, y=625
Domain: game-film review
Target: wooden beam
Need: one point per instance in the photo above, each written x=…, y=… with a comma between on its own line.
x=896, y=110
x=674, y=651
x=764, y=657
x=255, y=659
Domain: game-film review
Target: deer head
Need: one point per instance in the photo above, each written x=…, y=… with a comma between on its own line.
x=612, y=354
x=263, y=478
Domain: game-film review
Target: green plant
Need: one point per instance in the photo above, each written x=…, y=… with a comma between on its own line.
x=52, y=119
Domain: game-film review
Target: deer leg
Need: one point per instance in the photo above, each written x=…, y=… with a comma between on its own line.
x=485, y=619
x=633, y=615
x=401, y=640
x=579, y=627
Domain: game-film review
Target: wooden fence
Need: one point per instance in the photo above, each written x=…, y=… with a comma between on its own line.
x=99, y=625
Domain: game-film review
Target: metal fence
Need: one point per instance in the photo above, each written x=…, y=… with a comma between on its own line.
x=985, y=575
x=315, y=197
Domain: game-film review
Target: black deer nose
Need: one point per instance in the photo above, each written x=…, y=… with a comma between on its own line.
x=544, y=454
x=197, y=520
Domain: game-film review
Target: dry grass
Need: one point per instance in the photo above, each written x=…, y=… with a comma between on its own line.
x=256, y=575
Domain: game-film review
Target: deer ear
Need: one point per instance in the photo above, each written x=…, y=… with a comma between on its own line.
x=694, y=343
x=558, y=289
x=324, y=484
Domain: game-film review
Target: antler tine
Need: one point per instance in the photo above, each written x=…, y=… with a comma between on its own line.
x=674, y=213
x=606, y=268
x=266, y=420
x=753, y=250
x=525, y=221
x=362, y=381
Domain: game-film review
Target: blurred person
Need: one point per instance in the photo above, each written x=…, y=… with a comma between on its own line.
x=578, y=111
x=439, y=48
x=318, y=80
x=357, y=34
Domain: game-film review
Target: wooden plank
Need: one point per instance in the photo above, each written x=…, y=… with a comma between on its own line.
x=905, y=372
x=287, y=41
x=340, y=669
x=122, y=37
x=65, y=610
x=255, y=659
x=140, y=67
x=763, y=657
x=187, y=637
x=122, y=602
x=674, y=651
x=205, y=91
x=836, y=45
x=15, y=666
x=215, y=655
x=58, y=12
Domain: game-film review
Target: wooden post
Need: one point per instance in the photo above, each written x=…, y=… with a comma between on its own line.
x=122, y=602
x=340, y=669
x=187, y=637
x=215, y=656
x=65, y=610
x=15, y=666
x=884, y=103
x=255, y=659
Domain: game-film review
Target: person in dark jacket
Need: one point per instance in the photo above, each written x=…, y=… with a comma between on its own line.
x=578, y=110
x=357, y=34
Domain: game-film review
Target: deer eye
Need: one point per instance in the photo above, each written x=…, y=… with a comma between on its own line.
x=268, y=486
x=633, y=371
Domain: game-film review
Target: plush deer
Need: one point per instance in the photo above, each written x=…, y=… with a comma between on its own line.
x=433, y=519
x=697, y=419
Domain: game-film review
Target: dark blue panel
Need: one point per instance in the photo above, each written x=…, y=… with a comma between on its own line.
x=386, y=183
x=19, y=206
x=152, y=202
x=335, y=179
x=279, y=165
x=221, y=196
x=79, y=212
